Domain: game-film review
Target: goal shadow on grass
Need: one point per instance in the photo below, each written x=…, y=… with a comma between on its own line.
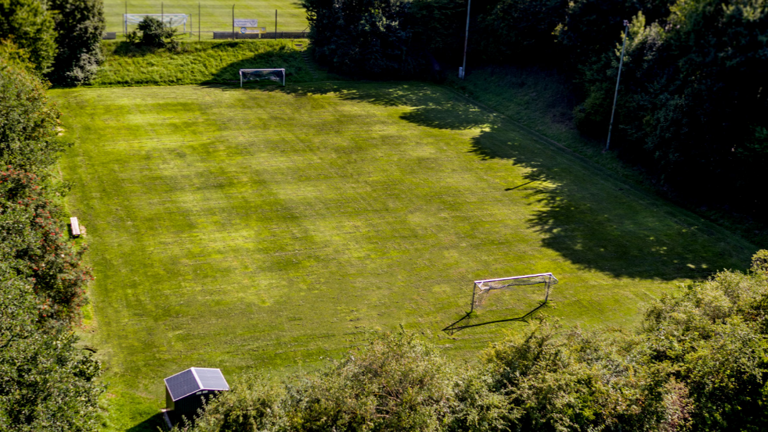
x=579, y=209
x=465, y=322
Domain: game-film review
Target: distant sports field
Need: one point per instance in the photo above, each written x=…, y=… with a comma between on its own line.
x=216, y=14
x=268, y=229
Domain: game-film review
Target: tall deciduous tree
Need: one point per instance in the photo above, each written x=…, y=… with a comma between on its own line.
x=79, y=27
x=364, y=37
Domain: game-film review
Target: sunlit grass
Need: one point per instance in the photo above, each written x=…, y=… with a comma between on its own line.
x=270, y=229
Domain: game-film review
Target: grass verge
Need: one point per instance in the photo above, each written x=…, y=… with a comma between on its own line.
x=216, y=14
x=202, y=62
x=273, y=228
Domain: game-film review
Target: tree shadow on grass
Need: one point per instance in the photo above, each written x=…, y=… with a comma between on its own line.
x=580, y=211
x=601, y=224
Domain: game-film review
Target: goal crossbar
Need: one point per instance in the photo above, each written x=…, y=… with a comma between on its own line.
x=263, y=73
x=482, y=287
x=169, y=19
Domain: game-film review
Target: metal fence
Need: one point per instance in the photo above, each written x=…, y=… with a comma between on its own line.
x=209, y=20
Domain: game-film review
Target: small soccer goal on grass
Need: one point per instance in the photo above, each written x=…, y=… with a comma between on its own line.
x=484, y=288
x=277, y=75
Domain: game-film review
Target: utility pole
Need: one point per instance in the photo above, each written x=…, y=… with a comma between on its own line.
x=466, y=38
x=616, y=93
x=199, y=17
x=275, y=24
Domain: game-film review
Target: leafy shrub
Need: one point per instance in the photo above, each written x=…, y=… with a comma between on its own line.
x=760, y=261
x=28, y=122
x=46, y=381
x=35, y=244
x=153, y=33
x=29, y=24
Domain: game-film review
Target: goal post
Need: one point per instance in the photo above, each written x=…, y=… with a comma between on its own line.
x=277, y=75
x=169, y=19
x=482, y=288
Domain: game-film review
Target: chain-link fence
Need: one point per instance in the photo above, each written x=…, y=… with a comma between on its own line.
x=211, y=19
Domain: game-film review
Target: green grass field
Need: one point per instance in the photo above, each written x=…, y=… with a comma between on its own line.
x=271, y=228
x=216, y=14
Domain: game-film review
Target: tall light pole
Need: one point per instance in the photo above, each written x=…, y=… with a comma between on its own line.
x=466, y=38
x=616, y=93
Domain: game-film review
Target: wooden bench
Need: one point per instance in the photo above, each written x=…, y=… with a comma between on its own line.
x=75, y=226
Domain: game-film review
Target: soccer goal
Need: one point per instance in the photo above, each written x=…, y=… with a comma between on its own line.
x=483, y=288
x=277, y=75
x=170, y=20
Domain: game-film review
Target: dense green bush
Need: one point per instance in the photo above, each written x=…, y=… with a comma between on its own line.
x=46, y=381
x=363, y=37
x=28, y=122
x=153, y=33
x=79, y=27
x=29, y=24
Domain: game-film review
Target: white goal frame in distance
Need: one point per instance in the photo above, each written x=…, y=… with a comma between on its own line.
x=483, y=287
x=169, y=19
x=254, y=70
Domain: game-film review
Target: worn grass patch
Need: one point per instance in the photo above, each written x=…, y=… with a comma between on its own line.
x=202, y=63
x=261, y=229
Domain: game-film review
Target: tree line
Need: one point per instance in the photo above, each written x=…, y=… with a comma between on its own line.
x=699, y=362
x=61, y=37
x=47, y=382
x=693, y=106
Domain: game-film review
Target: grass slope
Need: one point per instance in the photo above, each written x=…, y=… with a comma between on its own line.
x=204, y=62
x=270, y=229
x=216, y=14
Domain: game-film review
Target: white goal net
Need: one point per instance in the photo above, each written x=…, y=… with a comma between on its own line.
x=170, y=20
x=483, y=288
x=277, y=75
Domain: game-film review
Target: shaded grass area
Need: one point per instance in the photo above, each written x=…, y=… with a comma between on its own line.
x=543, y=100
x=216, y=14
x=202, y=62
x=273, y=229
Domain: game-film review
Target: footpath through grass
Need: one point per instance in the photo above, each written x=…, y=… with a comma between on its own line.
x=203, y=62
x=270, y=229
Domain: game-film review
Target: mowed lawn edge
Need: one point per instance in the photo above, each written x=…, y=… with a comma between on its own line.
x=291, y=223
